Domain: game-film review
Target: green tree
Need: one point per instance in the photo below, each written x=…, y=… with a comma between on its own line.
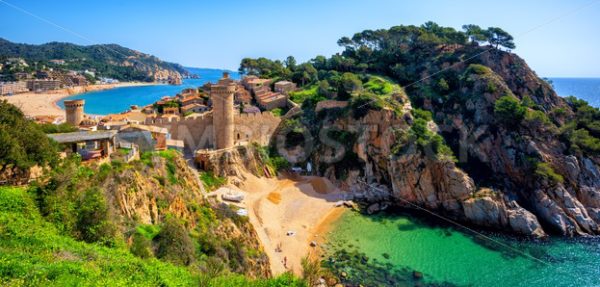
x=474, y=33
x=349, y=84
x=498, y=37
x=22, y=142
x=290, y=63
x=304, y=74
x=319, y=62
x=325, y=88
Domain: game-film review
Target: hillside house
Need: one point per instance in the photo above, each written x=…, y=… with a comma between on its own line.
x=89, y=144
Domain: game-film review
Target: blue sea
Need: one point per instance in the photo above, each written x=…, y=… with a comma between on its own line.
x=584, y=88
x=120, y=99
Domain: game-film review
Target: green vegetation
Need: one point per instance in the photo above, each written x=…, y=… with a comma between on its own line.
x=210, y=181
x=273, y=160
x=426, y=140
x=478, y=69
x=310, y=93
x=544, y=170
x=60, y=128
x=23, y=143
x=277, y=112
x=264, y=67
x=583, y=131
x=508, y=110
x=34, y=253
x=379, y=86
x=106, y=60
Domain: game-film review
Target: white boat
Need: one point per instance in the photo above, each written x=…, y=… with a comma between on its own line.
x=232, y=196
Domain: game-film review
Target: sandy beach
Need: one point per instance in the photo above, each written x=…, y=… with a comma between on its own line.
x=289, y=214
x=45, y=104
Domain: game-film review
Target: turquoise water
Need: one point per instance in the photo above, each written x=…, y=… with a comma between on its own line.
x=583, y=88
x=120, y=99
x=384, y=250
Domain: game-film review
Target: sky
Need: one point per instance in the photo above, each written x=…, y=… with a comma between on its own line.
x=556, y=38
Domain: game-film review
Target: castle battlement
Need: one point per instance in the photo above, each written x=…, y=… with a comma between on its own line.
x=261, y=115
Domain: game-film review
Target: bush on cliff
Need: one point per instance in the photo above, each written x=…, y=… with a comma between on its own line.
x=545, y=171
x=509, y=111
x=174, y=243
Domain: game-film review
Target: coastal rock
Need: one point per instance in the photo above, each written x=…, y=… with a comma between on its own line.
x=492, y=211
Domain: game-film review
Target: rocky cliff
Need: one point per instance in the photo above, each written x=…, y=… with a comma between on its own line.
x=412, y=177
x=520, y=173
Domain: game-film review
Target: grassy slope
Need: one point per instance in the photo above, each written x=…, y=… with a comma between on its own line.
x=33, y=253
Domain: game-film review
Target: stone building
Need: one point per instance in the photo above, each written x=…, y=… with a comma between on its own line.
x=74, y=111
x=89, y=144
x=284, y=87
x=43, y=85
x=253, y=82
x=194, y=108
x=222, y=99
x=10, y=88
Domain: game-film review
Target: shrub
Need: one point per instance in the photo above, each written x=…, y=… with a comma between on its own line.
x=361, y=104
x=210, y=181
x=93, y=224
x=60, y=128
x=509, y=110
x=141, y=246
x=311, y=270
x=442, y=85
x=379, y=86
x=544, y=170
x=174, y=243
x=422, y=114
x=478, y=69
x=582, y=142
x=536, y=118
x=277, y=112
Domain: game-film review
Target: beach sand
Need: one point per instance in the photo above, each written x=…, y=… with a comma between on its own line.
x=303, y=207
x=45, y=103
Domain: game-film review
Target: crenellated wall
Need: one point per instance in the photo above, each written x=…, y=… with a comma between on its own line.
x=255, y=127
x=197, y=131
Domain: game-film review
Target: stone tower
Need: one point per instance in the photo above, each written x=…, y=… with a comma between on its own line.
x=222, y=103
x=74, y=109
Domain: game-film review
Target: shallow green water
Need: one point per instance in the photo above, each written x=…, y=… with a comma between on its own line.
x=396, y=245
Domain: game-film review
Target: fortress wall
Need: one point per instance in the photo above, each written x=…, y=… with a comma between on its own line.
x=196, y=132
x=255, y=127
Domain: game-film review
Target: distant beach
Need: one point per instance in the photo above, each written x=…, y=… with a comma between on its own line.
x=45, y=103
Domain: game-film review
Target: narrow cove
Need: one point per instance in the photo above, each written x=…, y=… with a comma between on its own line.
x=394, y=245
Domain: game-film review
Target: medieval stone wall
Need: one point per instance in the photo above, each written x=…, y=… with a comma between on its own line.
x=197, y=132
x=255, y=127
